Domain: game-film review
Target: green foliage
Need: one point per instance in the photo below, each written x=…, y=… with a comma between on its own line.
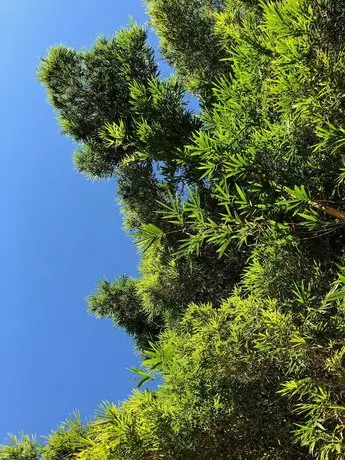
x=139, y=136
x=121, y=302
x=109, y=99
x=189, y=41
x=271, y=149
x=239, y=219
x=67, y=441
x=281, y=264
x=91, y=88
x=244, y=381
x=23, y=448
x=144, y=307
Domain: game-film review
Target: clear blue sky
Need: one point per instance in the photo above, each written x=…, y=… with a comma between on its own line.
x=59, y=233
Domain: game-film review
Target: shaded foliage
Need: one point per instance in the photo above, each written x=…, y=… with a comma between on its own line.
x=121, y=302
x=189, y=41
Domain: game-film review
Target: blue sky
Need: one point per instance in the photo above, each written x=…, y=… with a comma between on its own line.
x=59, y=233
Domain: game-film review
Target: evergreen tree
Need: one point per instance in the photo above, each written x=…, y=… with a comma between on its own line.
x=189, y=40
x=240, y=309
x=134, y=125
x=121, y=302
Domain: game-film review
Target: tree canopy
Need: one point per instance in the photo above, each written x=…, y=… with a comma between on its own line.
x=238, y=214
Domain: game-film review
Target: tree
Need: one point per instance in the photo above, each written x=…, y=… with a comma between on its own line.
x=239, y=215
x=21, y=448
x=90, y=88
x=272, y=148
x=110, y=100
x=134, y=125
x=69, y=440
x=121, y=302
x=189, y=40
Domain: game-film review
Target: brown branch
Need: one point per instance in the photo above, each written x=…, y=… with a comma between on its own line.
x=328, y=210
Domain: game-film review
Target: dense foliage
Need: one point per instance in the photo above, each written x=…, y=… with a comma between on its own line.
x=239, y=310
